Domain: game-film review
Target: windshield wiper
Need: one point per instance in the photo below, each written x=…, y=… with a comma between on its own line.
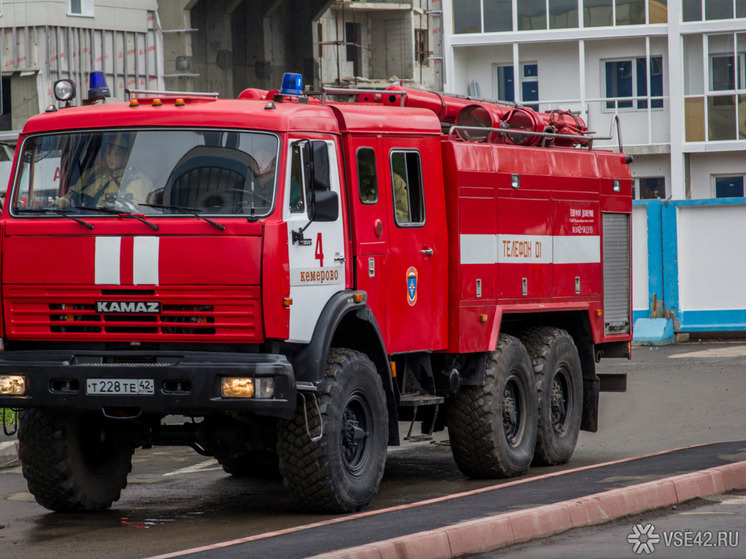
x=106, y=210
x=58, y=211
x=184, y=209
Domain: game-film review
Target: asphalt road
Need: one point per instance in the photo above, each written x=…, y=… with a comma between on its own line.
x=677, y=396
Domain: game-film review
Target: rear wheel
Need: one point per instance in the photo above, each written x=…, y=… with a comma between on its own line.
x=341, y=471
x=72, y=463
x=559, y=384
x=492, y=428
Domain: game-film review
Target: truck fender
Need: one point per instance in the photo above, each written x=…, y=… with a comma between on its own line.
x=346, y=323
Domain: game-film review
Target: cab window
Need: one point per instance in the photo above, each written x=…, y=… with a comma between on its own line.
x=297, y=196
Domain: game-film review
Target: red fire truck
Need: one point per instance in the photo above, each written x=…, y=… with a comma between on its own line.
x=279, y=280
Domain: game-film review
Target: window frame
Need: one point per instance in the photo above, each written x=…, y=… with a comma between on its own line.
x=375, y=176
x=422, y=47
x=505, y=93
x=739, y=77
x=420, y=191
x=715, y=179
x=638, y=100
x=638, y=188
x=86, y=9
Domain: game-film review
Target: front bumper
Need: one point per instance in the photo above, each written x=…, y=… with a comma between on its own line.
x=186, y=383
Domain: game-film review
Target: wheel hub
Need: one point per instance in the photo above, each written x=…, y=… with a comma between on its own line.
x=559, y=401
x=512, y=412
x=353, y=435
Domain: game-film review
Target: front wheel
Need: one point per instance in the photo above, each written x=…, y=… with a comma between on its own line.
x=71, y=462
x=341, y=470
x=492, y=427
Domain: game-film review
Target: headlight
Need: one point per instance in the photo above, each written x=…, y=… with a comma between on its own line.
x=12, y=385
x=64, y=90
x=240, y=387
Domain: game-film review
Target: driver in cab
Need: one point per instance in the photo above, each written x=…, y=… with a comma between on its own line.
x=111, y=180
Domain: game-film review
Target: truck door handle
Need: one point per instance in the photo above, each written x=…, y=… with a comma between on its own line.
x=339, y=258
x=427, y=251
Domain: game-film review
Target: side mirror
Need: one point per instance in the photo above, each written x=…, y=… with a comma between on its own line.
x=326, y=206
x=320, y=166
x=322, y=202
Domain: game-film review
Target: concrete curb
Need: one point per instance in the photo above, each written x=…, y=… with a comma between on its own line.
x=488, y=534
x=9, y=454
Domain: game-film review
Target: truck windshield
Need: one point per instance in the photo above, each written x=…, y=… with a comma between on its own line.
x=153, y=172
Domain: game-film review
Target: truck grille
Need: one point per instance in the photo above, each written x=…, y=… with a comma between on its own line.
x=196, y=314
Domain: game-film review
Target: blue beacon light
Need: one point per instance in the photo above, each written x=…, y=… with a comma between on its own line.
x=98, y=89
x=292, y=84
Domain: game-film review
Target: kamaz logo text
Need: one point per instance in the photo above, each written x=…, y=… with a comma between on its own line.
x=133, y=307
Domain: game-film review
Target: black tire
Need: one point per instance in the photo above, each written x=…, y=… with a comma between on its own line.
x=72, y=463
x=559, y=386
x=254, y=464
x=492, y=428
x=341, y=471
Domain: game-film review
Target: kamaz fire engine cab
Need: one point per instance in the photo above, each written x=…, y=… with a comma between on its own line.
x=278, y=280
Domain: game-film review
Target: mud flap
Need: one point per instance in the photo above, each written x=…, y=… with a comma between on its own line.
x=589, y=421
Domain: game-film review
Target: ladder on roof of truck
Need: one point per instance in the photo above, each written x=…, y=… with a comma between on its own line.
x=135, y=93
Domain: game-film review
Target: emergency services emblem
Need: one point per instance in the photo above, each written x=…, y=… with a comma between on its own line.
x=412, y=286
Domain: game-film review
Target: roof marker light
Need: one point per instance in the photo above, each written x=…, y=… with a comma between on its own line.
x=292, y=84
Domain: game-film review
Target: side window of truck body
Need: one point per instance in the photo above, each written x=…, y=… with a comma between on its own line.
x=366, y=175
x=407, y=189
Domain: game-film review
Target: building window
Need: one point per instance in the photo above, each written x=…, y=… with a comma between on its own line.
x=529, y=84
x=691, y=10
x=422, y=53
x=656, y=82
x=505, y=87
x=498, y=15
x=406, y=183
x=729, y=187
x=725, y=75
x=467, y=17
x=719, y=9
x=80, y=7
x=622, y=81
x=630, y=12
x=658, y=11
x=563, y=14
x=597, y=13
x=651, y=188
x=713, y=9
x=352, y=38
x=532, y=14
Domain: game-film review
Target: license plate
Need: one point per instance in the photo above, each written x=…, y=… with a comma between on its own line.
x=119, y=387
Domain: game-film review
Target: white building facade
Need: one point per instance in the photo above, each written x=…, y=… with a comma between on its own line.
x=674, y=72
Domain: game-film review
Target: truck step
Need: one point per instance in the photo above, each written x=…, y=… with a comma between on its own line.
x=415, y=400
